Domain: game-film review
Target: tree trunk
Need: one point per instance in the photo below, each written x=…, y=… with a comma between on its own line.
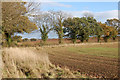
x=74, y=40
x=106, y=38
x=114, y=38
x=60, y=34
x=60, y=38
x=82, y=40
x=98, y=39
x=86, y=40
x=44, y=37
x=8, y=39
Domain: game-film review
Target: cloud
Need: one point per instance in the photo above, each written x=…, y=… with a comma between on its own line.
x=106, y=15
x=100, y=16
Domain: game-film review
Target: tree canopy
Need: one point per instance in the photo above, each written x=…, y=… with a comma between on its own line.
x=82, y=28
x=14, y=20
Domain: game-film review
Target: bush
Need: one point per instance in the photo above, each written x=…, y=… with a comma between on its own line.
x=17, y=38
x=4, y=44
x=25, y=39
x=33, y=39
x=13, y=44
x=106, y=38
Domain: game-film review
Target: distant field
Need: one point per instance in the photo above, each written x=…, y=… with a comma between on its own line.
x=64, y=41
x=96, y=51
x=99, y=60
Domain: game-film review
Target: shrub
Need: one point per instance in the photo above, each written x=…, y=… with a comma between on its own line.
x=17, y=38
x=25, y=39
x=33, y=39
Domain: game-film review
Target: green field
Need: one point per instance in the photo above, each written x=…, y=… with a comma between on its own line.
x=103, y=50
x=97, y=51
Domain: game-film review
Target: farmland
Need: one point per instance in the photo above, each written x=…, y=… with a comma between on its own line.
x=58, y=40
x=81, y=60
x=91, y=59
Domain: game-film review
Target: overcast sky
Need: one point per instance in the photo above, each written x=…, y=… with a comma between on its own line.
x=101, y=11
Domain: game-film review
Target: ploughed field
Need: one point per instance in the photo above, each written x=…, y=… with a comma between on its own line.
x=90, y=59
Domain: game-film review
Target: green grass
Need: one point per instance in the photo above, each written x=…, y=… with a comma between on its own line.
x=97, y=51
x=105, y=50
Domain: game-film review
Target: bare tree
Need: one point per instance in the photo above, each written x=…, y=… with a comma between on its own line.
x=57, y=18
x=44, y=24
x=32, y=8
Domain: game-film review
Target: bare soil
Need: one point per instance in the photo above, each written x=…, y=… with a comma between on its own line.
x=90, y=65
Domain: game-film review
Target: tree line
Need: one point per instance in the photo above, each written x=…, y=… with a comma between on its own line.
x=18, y=17
x=83, y=28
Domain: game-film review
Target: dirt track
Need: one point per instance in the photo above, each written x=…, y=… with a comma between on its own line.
x=86, y=64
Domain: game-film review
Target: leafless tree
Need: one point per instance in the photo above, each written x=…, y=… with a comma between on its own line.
x=57, y=18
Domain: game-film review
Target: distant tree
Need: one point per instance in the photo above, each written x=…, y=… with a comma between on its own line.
x=14, y=20
x=94, y=28
x=25, y=39
x=84, y=31
x=107, y=31
x=90, y=28
x=71, y=28
x=98, y=32
x=114, y=34
x=44, y=24
x=82, y=28
x=113, y=23
x=58, y=17
x=77, y=28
